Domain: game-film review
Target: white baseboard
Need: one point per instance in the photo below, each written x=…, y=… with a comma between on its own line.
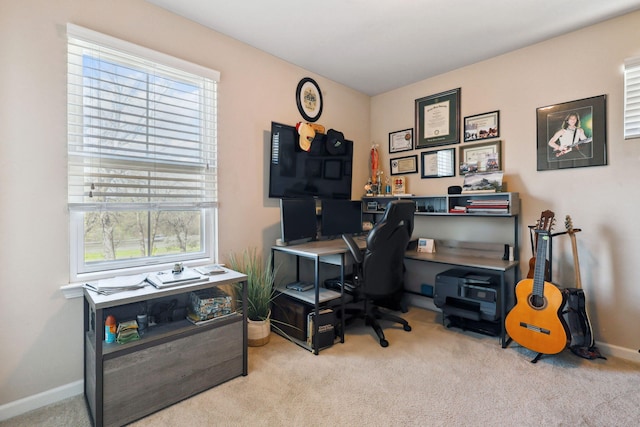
x=22, y=406
x=620, y=352
x=606, y=349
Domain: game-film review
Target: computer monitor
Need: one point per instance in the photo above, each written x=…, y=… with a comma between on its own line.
x=298, y=220
x=341, y=217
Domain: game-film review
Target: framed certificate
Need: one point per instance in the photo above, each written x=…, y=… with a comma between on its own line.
x=481, y=157
x=402, y=165
x=401, y=140
x=438, y=119
x=482, y=126
x=439, y=163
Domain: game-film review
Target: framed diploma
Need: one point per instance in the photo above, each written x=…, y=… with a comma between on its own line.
x=439, y=163
x=438, y=119
x=402, y=165
x=401, y=140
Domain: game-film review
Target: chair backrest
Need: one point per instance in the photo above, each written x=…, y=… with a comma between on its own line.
x=383, y=264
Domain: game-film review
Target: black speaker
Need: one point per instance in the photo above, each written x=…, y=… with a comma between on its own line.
x=455, y=189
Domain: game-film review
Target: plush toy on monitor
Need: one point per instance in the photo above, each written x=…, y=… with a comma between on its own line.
x=307, y=133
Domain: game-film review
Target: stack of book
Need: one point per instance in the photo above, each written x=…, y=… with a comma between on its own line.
x=488, y=206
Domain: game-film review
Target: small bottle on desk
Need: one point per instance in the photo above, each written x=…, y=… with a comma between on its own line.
x=110, y=329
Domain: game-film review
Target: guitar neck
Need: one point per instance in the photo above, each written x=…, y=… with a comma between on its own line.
x=539, y=270
x=576, y=263
x=580, y=142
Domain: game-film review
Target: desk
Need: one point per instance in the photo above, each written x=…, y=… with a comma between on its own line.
x=496, y=265
x=336, y=252
x=333, y=252
x=169, y=363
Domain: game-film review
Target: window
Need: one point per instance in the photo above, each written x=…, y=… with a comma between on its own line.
x=142, y=181
x=632, y=98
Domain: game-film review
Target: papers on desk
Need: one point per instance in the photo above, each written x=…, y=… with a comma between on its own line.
x=167, y=278
x=117, y=284
x=210, y=270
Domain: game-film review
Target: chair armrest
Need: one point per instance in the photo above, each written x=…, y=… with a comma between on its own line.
x=353, y=248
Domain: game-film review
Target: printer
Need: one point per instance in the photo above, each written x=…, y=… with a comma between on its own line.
x=468, y=294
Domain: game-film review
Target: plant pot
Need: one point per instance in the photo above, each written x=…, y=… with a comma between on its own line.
x=258, y=332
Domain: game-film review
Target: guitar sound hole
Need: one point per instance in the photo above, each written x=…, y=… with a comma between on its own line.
x=537, y=302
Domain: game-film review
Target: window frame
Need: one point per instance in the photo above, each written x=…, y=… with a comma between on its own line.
x=631, y=112
x=83, y=271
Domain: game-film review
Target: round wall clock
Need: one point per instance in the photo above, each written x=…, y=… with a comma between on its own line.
x=309, y=99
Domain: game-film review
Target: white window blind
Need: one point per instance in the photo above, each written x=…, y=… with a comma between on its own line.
x=141, y=127
x=632, y=98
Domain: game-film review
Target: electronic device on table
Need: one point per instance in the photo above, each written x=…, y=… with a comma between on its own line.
x=341, y=217
x=301, y=286
x=298, y=222
x=294, y=172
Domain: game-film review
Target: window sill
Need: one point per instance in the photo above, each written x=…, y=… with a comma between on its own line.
x=72, y=290
x=76, y=290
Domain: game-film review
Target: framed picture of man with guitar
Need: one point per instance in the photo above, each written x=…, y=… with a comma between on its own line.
x=572, y=134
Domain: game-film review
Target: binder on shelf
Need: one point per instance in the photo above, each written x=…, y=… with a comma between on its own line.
x=326, y=328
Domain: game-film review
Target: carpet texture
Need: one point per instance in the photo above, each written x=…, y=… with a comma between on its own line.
x=431, y=376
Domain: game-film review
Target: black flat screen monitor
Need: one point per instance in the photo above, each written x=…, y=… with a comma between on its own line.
x=295, y=173
x=341, y=217
x=298, y=220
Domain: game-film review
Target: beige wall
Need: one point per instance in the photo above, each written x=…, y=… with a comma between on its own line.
x=40, y=338
x=602, y=201
x=40, y=341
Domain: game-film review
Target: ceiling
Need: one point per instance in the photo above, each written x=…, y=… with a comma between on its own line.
x=374, y=46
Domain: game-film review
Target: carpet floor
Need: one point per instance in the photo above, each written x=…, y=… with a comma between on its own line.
x=431, y=376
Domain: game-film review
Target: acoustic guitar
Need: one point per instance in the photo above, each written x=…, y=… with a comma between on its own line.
x=545, y=223
x=536, y=321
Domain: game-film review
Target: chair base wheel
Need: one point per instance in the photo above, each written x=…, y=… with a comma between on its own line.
x=384, y=343
x=407, y=328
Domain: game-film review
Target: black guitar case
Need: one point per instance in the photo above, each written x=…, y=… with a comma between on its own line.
x=575, y=316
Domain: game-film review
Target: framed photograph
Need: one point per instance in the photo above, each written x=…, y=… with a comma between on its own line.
x=403, y=165
x=485, y=157
x=482, y=126
x=401, y=140
x=439, y=163
x=309, y=99
x=438, y=119
x=572, y=134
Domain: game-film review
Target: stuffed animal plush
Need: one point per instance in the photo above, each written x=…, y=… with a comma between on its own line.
x=307, y=134
x=318, y=128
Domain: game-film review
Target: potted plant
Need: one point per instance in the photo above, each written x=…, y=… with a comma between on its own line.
x=260, y=292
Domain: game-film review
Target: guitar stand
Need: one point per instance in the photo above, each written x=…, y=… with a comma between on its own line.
x=535, y=359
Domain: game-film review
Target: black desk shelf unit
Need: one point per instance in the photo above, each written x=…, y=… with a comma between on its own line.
x=332, y=252
x=462, y=240
x=170, y=362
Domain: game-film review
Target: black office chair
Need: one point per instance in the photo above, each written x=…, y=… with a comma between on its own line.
x=379, y=271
